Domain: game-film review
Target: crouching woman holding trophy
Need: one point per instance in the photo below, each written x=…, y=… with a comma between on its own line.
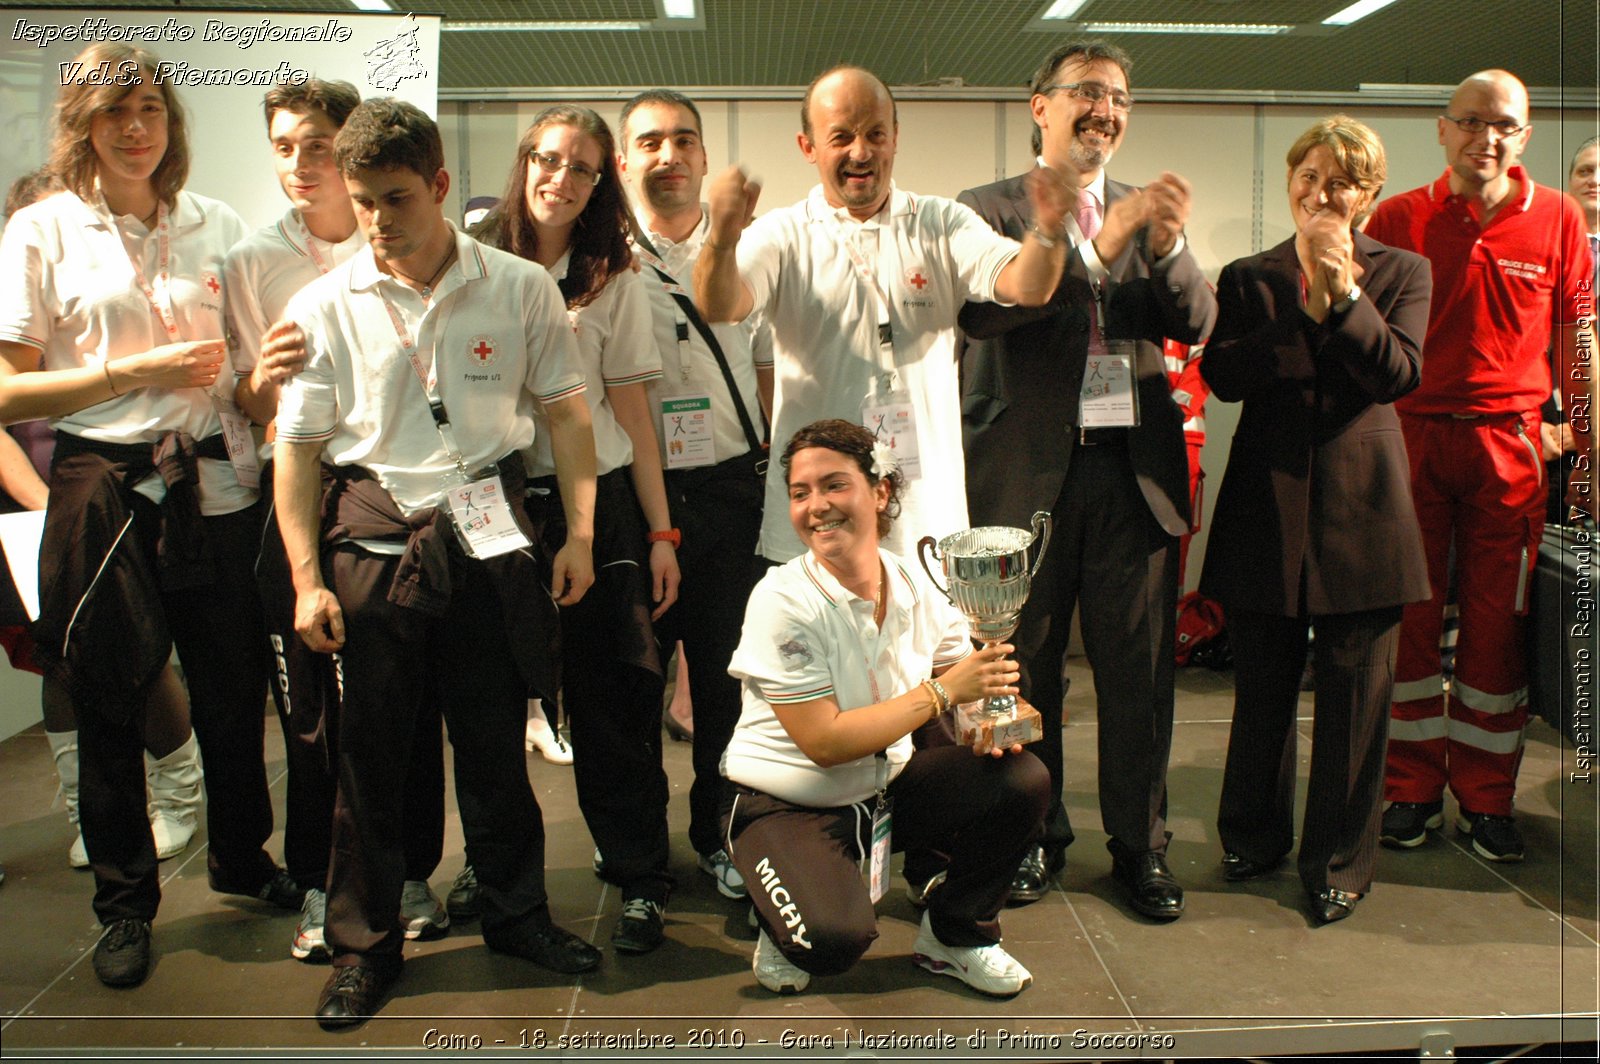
x=845, y=653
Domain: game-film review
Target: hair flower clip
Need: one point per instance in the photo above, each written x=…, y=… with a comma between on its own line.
x=884, y=461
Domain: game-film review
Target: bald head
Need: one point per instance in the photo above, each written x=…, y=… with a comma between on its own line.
x=1484, y=134
x=1501, y=85
x=852, y=81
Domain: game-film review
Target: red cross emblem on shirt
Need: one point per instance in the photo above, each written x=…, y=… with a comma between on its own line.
x=211, y=283
x=918, y=281
x=482, y=350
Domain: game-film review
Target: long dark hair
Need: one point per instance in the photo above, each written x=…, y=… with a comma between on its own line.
x=600, y=236
x=72, y=159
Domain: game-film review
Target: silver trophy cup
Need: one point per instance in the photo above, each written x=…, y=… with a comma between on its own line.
x=988, y=574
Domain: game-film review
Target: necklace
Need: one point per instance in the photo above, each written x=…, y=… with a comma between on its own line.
x=427, y=289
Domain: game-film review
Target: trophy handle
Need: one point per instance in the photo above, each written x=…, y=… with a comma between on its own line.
x=925, y=546
x=1042, y=525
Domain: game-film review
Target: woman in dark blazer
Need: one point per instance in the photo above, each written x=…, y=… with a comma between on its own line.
x=1314, y=523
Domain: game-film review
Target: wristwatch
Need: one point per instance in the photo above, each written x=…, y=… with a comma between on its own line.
x=1348, y=301
x=1044, y=238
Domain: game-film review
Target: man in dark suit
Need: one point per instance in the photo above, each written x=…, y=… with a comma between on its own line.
x=1111, y=466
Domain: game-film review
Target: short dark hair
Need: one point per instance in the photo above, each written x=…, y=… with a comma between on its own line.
x=666, y=97
x=72, y=158
x=1083, y=52
x=852, y=441
x=599, y=243
x=805, y=102
x=336, y=99
x=389, y=134
x=1585, y=146
x=29, y=189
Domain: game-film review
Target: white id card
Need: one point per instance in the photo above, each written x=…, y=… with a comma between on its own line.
x=241, y=443
x=1109, y=398
x=686, y=422
x=894, y=422
x=483, y=518
x=878, y=876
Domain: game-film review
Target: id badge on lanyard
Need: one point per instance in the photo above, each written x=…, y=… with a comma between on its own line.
x=236, y=432
x=686, y=431
x=475, y=501
x=886, y=411
x=1109, y=398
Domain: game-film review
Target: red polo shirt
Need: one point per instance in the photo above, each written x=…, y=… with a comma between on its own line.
x=1497, y=292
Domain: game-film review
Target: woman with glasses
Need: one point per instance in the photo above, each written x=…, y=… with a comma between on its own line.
x=564, y=208
x=1314, y=523
x=111, y=326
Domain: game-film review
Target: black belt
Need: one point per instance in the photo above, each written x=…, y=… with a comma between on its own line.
x=1103, y=437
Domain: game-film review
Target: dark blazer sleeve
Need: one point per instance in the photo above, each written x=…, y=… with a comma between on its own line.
x=1381, y=350
x=985, y=321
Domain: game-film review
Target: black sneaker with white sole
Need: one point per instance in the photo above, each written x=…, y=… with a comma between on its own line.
x=1494, y=838
x=1406, y=824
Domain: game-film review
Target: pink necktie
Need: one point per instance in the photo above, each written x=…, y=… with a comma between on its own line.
x=1089, y=223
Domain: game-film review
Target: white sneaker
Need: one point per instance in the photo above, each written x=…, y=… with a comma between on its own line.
x=422, y=915
x=309, y=943
x=987, y=969
x=78, y=853
x=774, y=971
x=545, y=739
x=719, y=866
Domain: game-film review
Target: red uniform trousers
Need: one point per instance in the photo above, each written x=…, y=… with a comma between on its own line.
x=1479, y=481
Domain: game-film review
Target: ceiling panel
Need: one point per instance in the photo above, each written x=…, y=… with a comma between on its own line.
x=996, y=43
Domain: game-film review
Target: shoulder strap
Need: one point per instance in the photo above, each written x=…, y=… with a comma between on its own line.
x=693, y=314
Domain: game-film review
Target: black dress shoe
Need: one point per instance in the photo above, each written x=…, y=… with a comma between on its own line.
x=277, y=889
x=546, y=945
x=352, y=994
x=1034, y=875
x=1148, y=884
x=1331, y=903
x=1236, y=868
x=122, y=956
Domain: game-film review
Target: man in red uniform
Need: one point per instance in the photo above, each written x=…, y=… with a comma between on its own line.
x=1508, y=259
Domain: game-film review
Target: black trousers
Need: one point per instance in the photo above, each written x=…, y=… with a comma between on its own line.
x=611, y=685
x=1354, y=656
x=718, y=509
x=305, y=685
x=803, y=864
x=217, y=629
x=395, y=662
x=1111, y=561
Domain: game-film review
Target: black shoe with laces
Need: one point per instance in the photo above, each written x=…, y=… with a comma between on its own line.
x=1406, y=824
x=546, y=945
x=642, y=927
x=1494, y=838
x=463, y=902
x=352, y=994
x=122, y=957
x=277, y=889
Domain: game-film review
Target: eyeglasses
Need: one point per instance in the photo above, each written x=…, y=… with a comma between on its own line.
x=552, y=164
x=1505, y=127
x=1093, y=92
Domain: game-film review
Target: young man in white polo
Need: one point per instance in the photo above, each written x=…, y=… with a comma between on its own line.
x=425, y=356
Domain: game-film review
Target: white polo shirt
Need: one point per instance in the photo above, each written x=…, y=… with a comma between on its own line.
x=259, y=276
x=71, y=291
x=264, y=270
x=929, y=255
x=806, y=637
x=687, y=365
x=614, y=348
x=495, y=338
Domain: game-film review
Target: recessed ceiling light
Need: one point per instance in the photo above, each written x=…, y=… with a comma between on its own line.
x=1355, y=12
x=372, y=5
x=1063, y=9
x=1247, y=29
x=677, y=8
x=526, y=26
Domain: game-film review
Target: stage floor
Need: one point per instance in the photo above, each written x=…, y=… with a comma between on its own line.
x=1448, y=950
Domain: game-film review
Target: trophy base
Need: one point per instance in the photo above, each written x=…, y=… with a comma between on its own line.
x=983, y=731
